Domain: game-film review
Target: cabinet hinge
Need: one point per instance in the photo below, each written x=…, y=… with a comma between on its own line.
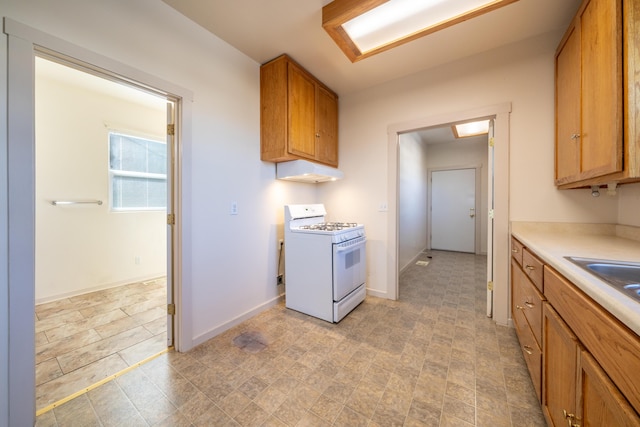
x=171, y=219
x=491, y=142
x=490, y=285
x=491, y=214
x=171, y=309
x=171, y=130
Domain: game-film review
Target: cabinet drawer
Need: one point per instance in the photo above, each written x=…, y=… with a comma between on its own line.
x=532, y=355
x=529, y=303
x=518, y=294
x=614, y=346
x=516, y=250
x=532, y=266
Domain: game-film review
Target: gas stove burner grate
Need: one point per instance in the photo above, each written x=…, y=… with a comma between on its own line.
x=330, y=226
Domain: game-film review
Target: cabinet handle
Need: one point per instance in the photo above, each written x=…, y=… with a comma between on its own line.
x=519, y=307
x=527, y=349
x=317, y=135
x=575, y=136
x=514, y=250
x=529, y=304
x=567, y=415
x=529, y=267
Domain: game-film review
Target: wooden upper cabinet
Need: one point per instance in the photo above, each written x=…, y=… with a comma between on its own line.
x=299, y=115
x=327, y=126
x=597, y=93
x=568, y=108
x=302, y=113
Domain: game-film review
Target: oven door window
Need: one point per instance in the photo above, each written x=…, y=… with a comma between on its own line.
x=348, y=268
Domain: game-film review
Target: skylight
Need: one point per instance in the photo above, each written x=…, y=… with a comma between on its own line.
x=466, y=130
x=366, y=27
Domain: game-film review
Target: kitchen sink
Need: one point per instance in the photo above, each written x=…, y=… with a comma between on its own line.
x=621, y=275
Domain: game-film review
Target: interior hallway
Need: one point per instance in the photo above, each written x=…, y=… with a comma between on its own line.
x=81, y=340
x=432, y=358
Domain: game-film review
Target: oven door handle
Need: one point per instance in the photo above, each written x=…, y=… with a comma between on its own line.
x=350, y=247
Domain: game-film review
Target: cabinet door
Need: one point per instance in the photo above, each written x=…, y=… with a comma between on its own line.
x=568, y=108
x=601, y=403
x=560, y=362
x=302, y=114
x=327, y=126
x=601, y=135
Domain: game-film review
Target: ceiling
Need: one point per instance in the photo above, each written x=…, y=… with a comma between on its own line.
x=83, y=80
x=264, y=29
x=444, y=134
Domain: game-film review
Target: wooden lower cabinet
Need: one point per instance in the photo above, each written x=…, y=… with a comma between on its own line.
x=601, y=402
x=576, y=392
x=560, y=360
x=584, y=363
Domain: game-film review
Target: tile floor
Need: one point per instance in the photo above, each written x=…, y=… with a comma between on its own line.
x=83, y=339
x=432, y=358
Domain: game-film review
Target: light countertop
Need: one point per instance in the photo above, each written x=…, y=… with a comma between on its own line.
x=553, y=241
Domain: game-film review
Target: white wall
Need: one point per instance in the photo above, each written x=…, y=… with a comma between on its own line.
x=629, y=204
x=521, y=74
x=412, y=198
x=228, y=262
x=466, y=153
x=83, y=248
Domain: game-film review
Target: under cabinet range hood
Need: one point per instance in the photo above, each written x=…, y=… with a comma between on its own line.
x=305, y=171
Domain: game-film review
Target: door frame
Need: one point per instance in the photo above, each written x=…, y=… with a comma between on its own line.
x=500, y=259
x=23, y=44
x=478, y=191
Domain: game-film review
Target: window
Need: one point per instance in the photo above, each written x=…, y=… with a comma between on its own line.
x=138, y=173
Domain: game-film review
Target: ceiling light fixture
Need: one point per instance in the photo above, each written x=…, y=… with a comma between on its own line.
x=362, y=28
x=466, y=130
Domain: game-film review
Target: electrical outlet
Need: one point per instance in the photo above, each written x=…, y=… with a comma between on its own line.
x=234, y=208
x=137, y=260
x=279, y=280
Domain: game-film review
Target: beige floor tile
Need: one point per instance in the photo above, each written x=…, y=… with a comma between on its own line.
x=83, y=356
x=69, y=329
x=58, y=348
x=432, y=358
x=143, y=349
x=61, y=387
x=47, y=371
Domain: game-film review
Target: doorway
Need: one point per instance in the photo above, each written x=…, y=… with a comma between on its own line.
x=24, y=43
x=497, y=256
x=101, y=248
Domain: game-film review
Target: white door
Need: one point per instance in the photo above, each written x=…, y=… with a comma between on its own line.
x=453, y=204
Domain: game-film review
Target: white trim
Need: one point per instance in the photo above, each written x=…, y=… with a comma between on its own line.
x=4, y=238
x=61, y=49
x=501, y=113
x=101, y=287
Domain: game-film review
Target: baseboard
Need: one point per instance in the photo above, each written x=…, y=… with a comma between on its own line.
x=217, y=330
x=377, y=293
x=98, y=288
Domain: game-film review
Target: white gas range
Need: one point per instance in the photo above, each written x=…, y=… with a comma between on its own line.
x=325, y=263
